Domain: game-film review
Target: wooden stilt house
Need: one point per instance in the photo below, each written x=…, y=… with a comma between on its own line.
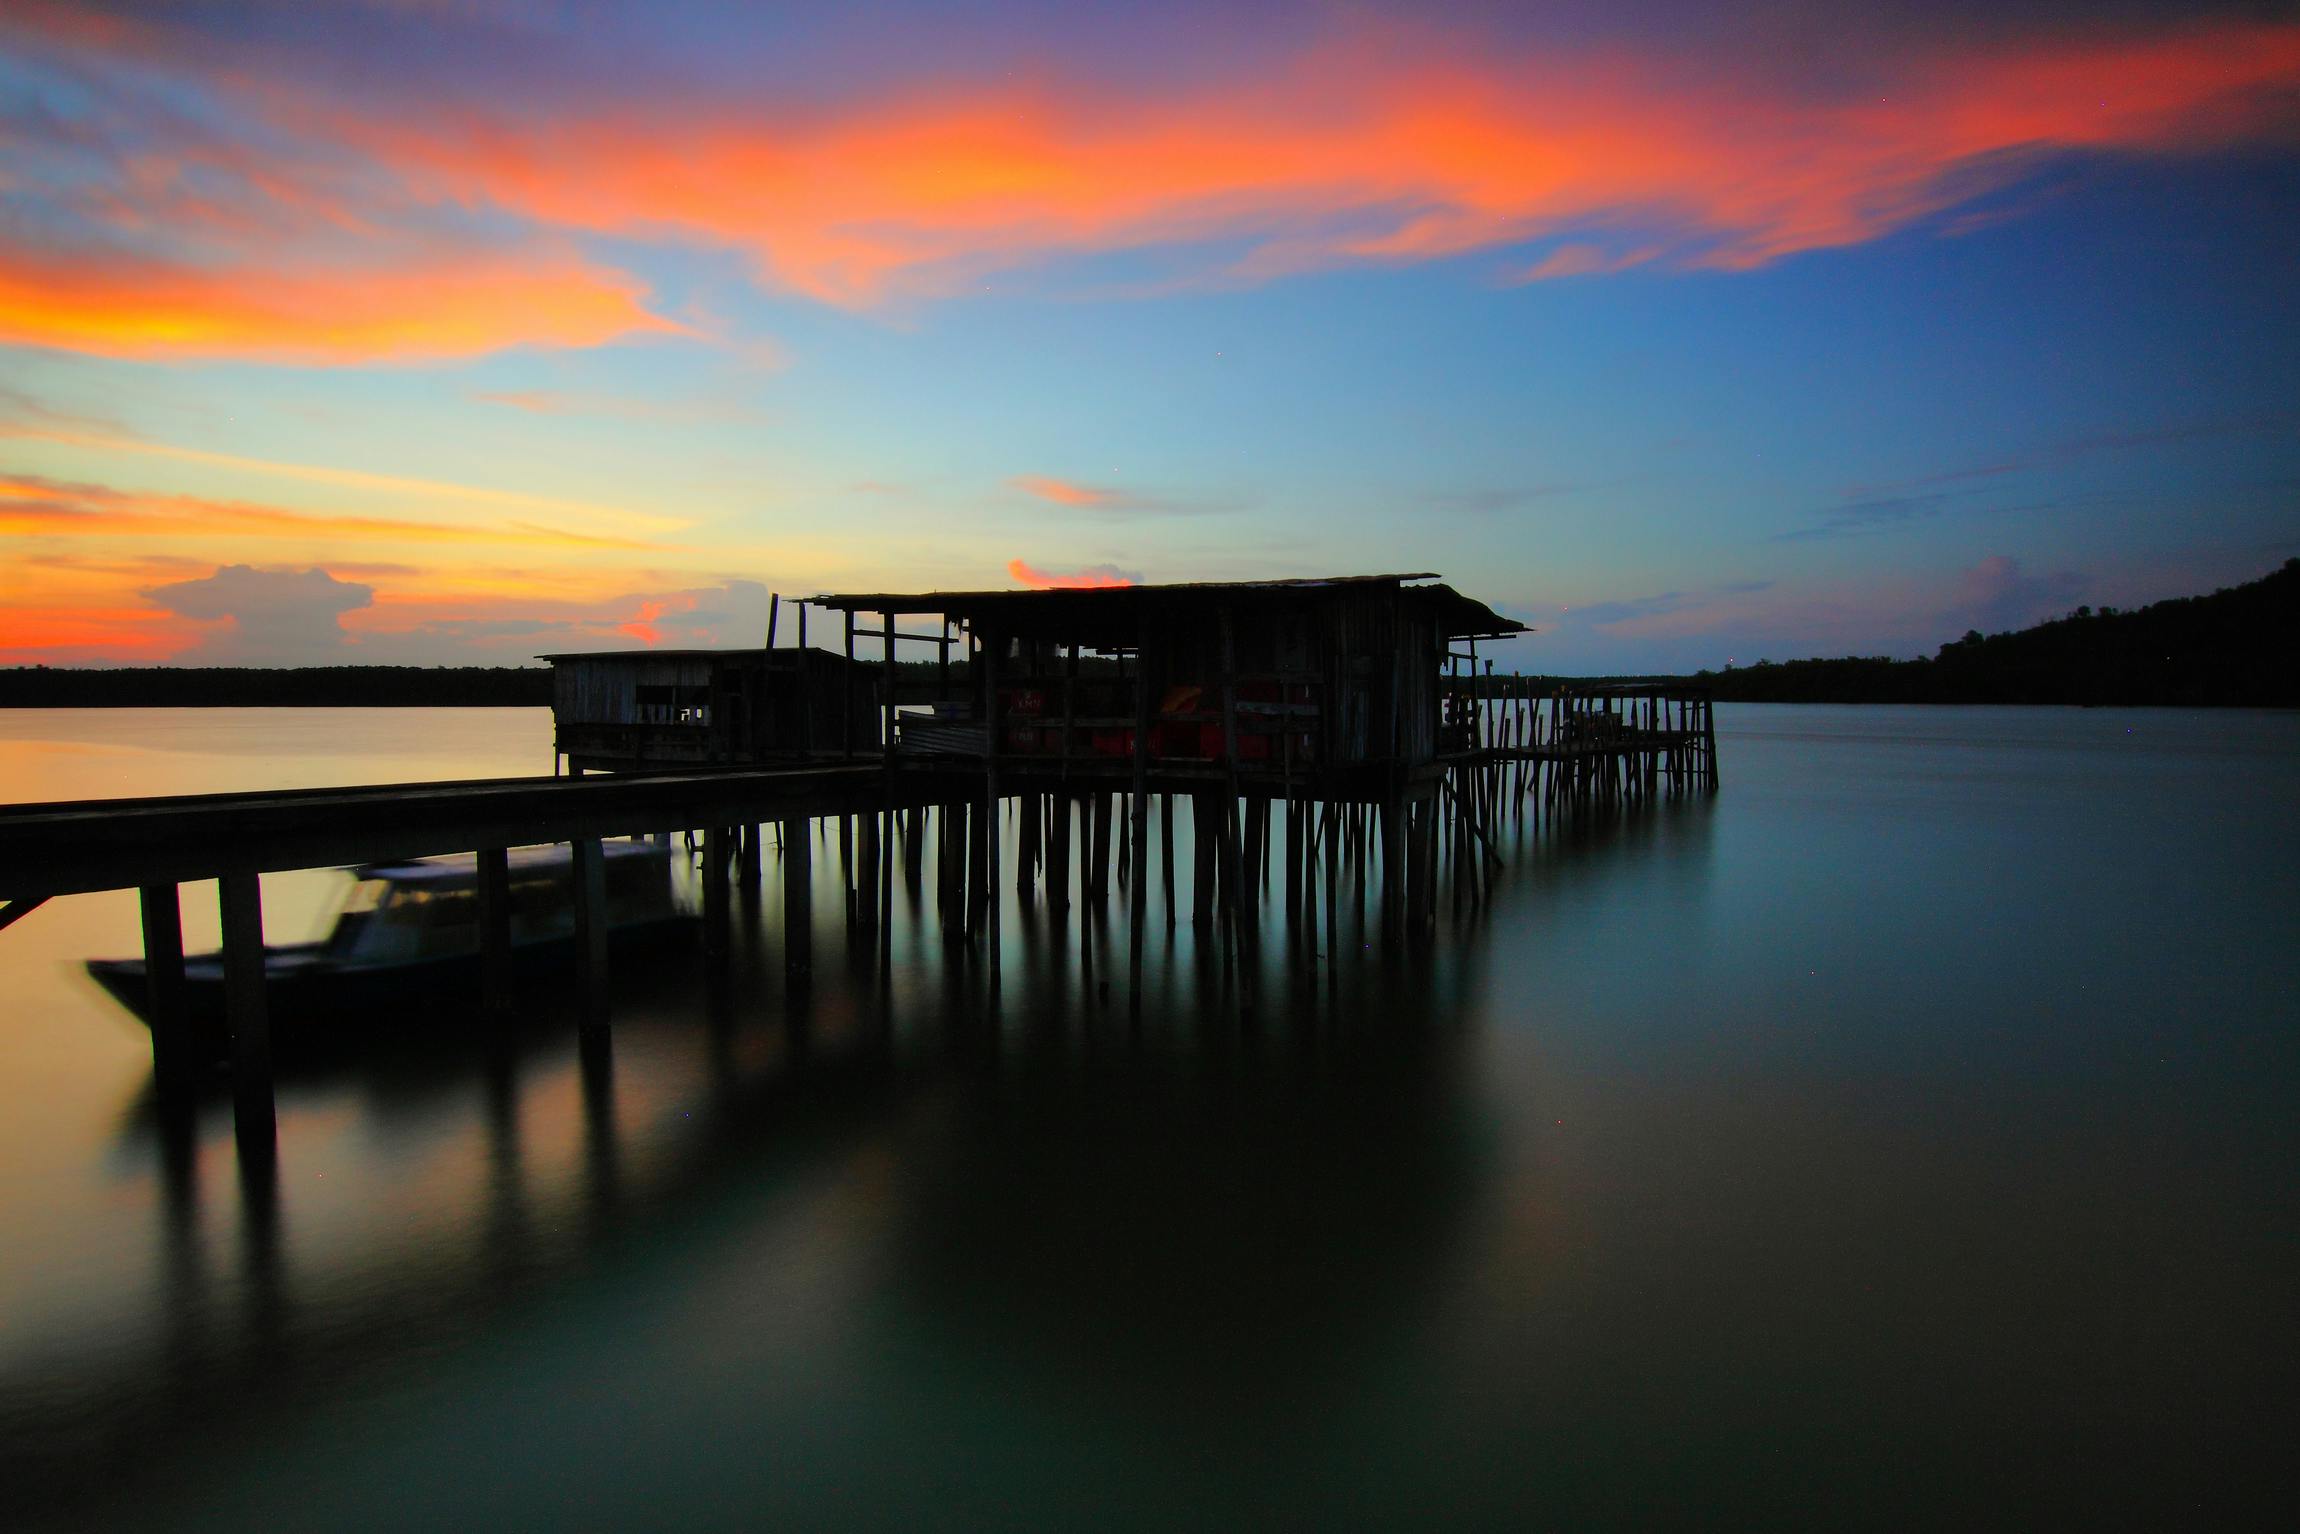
x=1337, y=681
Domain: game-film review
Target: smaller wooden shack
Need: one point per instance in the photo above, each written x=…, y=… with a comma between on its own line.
x=631, y=710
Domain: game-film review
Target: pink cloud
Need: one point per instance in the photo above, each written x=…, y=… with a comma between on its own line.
x=1092, y=577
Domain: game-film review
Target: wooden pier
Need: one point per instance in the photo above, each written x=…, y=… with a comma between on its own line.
x=1342, y=726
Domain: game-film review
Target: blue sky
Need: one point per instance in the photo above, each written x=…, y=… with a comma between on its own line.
x=534, y=327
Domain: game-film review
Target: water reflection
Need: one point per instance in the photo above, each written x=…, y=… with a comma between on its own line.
x=1714, y=1166
x=1154, y=1209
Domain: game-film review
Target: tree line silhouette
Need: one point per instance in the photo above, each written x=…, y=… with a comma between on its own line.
x=2233, y=648
x=286, y=687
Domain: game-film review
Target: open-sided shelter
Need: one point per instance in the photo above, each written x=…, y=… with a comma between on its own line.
x=1331, y=679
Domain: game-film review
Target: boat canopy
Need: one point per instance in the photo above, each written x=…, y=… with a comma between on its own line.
x=463, y=867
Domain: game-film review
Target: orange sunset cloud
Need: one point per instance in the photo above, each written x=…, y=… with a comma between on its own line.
x=1345, y=159
x=1400, y=149
x=32, y=504
x=1062, y=492
x=449, y=307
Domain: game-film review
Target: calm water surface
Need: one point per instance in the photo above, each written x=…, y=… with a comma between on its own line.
x=1905, y=1136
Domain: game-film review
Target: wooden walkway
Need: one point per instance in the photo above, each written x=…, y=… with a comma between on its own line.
x=1347, y=834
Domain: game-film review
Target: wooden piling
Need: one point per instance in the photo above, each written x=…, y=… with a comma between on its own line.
x=494, y=889
x=1204, y=834
x=715, y=921
x=867, y=854
x=991, y=650
x=1098, y=850
x=1137, y=902
x=798, y=901
x=1332, y=839
x=1166, y=853
x=590, y=868
x=751, y=872
x=175, y=1065
x=239, y=900
x=1029, y=852
x=1393, y=870
x=1061, y=806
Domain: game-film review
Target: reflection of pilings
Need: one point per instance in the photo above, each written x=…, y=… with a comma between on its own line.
x=183, y=1268
x=601, y=1172
x=261, y=1288
x=590, y=869
x=505, y=1229
x=492, y=880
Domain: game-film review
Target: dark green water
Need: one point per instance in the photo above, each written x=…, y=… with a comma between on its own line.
x=1906, y=1136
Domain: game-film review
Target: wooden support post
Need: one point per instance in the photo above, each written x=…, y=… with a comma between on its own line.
x=884, y=904
x=991, y=827
x=1031, y=849
x=1417, y=866
x=1333, y=877
x=715, y=921
x=175, y=1066
x=949, y=863
x=847, y=875
x=1166, y=853
x=1098, y=850
x=1204, y=840
x=1138, y=903
x=1709, y=738
x=1242, y=915
x=752, y=871
x=976, y=869
x=494, y=882
x=866, y=872
x=798, y=901
x=886, y=894
x=1393, y=869
x=240, y=902
x=591, y=928
x=1294, y=851
x=1061, y=803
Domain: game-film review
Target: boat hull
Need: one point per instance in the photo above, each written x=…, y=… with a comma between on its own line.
x=310, y=998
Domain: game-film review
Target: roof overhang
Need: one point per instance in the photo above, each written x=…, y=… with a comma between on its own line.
x=1111, y=616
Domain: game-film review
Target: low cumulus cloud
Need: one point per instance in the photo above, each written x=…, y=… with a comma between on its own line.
x=264, y=617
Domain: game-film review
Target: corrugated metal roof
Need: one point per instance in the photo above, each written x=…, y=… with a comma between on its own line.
x=462, y=867
x=924, y=601
x=1465, y=617
x=728, y=651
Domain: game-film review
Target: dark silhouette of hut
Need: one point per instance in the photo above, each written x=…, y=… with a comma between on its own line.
x=622, y=710
x=1338, y=680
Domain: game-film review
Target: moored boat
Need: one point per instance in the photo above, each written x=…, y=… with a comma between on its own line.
x=405, y=942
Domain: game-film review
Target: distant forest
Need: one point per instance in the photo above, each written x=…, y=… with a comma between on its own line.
x=2238, y=647
x=253, y=687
